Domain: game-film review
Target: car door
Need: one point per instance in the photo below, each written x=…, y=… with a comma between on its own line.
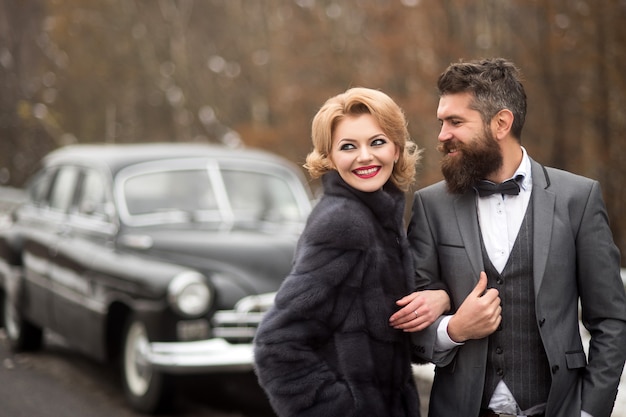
x=78, y=306
x=42, y=222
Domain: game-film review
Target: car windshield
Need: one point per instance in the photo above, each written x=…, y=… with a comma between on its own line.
x=197, y=195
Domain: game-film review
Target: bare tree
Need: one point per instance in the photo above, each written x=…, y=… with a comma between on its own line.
x=255, y=72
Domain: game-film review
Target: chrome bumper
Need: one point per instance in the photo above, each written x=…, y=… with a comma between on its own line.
x=217, y=354
x=202, y=356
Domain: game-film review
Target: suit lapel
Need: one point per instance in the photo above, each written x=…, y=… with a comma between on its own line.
x=543, y=203
x=467, y=218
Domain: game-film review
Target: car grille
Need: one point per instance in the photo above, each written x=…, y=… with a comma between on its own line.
x=192, y=329
x=239, y=325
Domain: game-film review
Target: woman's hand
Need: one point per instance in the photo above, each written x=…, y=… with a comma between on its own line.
x=419, y=310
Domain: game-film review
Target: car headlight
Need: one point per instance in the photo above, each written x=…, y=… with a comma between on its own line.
x=189, y=294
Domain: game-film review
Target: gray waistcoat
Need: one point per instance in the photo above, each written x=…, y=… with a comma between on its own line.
x=516, y=353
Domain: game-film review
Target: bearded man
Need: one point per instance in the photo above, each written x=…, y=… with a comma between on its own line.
x=518, y=246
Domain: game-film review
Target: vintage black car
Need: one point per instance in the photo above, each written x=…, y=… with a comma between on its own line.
x=160, y=256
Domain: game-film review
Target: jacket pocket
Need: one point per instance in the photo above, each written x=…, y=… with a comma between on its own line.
x=575, y=359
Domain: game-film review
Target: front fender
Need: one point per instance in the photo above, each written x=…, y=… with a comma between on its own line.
x=139, y=285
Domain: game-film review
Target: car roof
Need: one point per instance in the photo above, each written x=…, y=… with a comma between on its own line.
x=117, y=156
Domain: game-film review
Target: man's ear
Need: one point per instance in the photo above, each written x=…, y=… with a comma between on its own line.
x=502, y=122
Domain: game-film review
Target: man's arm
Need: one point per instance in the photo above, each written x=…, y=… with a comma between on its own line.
x=422, y=233
x=603, y=305
x=477, y=317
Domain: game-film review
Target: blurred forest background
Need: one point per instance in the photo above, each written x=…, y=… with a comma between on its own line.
x=254, y=72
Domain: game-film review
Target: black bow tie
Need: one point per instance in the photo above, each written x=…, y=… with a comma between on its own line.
x=487, y=188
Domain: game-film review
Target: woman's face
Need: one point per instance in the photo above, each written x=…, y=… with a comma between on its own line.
x=361, y=152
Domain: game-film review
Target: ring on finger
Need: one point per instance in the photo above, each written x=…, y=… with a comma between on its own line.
x=416, y=315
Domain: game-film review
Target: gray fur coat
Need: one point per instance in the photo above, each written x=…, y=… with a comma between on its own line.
x=326, y=349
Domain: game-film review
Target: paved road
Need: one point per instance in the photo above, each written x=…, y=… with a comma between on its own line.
x=56, y=382
x=59, y=383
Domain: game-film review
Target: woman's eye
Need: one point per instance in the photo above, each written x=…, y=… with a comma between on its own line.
x=379, y=142
x=347, y=147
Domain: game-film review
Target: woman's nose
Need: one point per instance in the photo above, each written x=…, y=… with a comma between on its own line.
x=364, y=154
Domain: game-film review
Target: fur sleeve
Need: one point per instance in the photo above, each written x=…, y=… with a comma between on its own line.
x=310, y=304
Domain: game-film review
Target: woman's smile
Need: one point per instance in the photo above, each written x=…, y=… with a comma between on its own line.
x=367, y=172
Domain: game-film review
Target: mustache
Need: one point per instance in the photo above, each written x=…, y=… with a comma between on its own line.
x=447, y=146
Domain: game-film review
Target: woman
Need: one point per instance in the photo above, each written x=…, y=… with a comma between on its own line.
x=326, y=347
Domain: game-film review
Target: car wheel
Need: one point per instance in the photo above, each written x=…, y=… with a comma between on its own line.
x=144, y=387
x=22, y=335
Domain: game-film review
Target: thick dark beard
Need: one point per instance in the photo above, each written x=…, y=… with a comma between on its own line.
x=477, y=160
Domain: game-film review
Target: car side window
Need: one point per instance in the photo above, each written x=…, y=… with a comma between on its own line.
x=92, y=197
x=39, y=188
x=63, y=188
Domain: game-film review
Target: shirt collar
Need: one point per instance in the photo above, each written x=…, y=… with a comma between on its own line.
x=524, y=171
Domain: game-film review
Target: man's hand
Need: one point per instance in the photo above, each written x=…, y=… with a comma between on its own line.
x=419, y=310
x=478, y=316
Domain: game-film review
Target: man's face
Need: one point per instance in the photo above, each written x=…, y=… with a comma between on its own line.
x=470, y=150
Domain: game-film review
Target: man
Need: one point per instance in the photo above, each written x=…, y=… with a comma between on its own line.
x=540, y=245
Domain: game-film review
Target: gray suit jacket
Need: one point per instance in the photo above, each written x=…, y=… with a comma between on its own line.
x=574, y=258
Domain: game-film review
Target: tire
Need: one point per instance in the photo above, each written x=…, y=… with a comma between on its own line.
x=22, y=335
x=144, y=387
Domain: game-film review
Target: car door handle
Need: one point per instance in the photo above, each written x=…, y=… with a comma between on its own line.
x=63, y=231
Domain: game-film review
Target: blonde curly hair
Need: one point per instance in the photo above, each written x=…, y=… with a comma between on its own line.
x=385, y=111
